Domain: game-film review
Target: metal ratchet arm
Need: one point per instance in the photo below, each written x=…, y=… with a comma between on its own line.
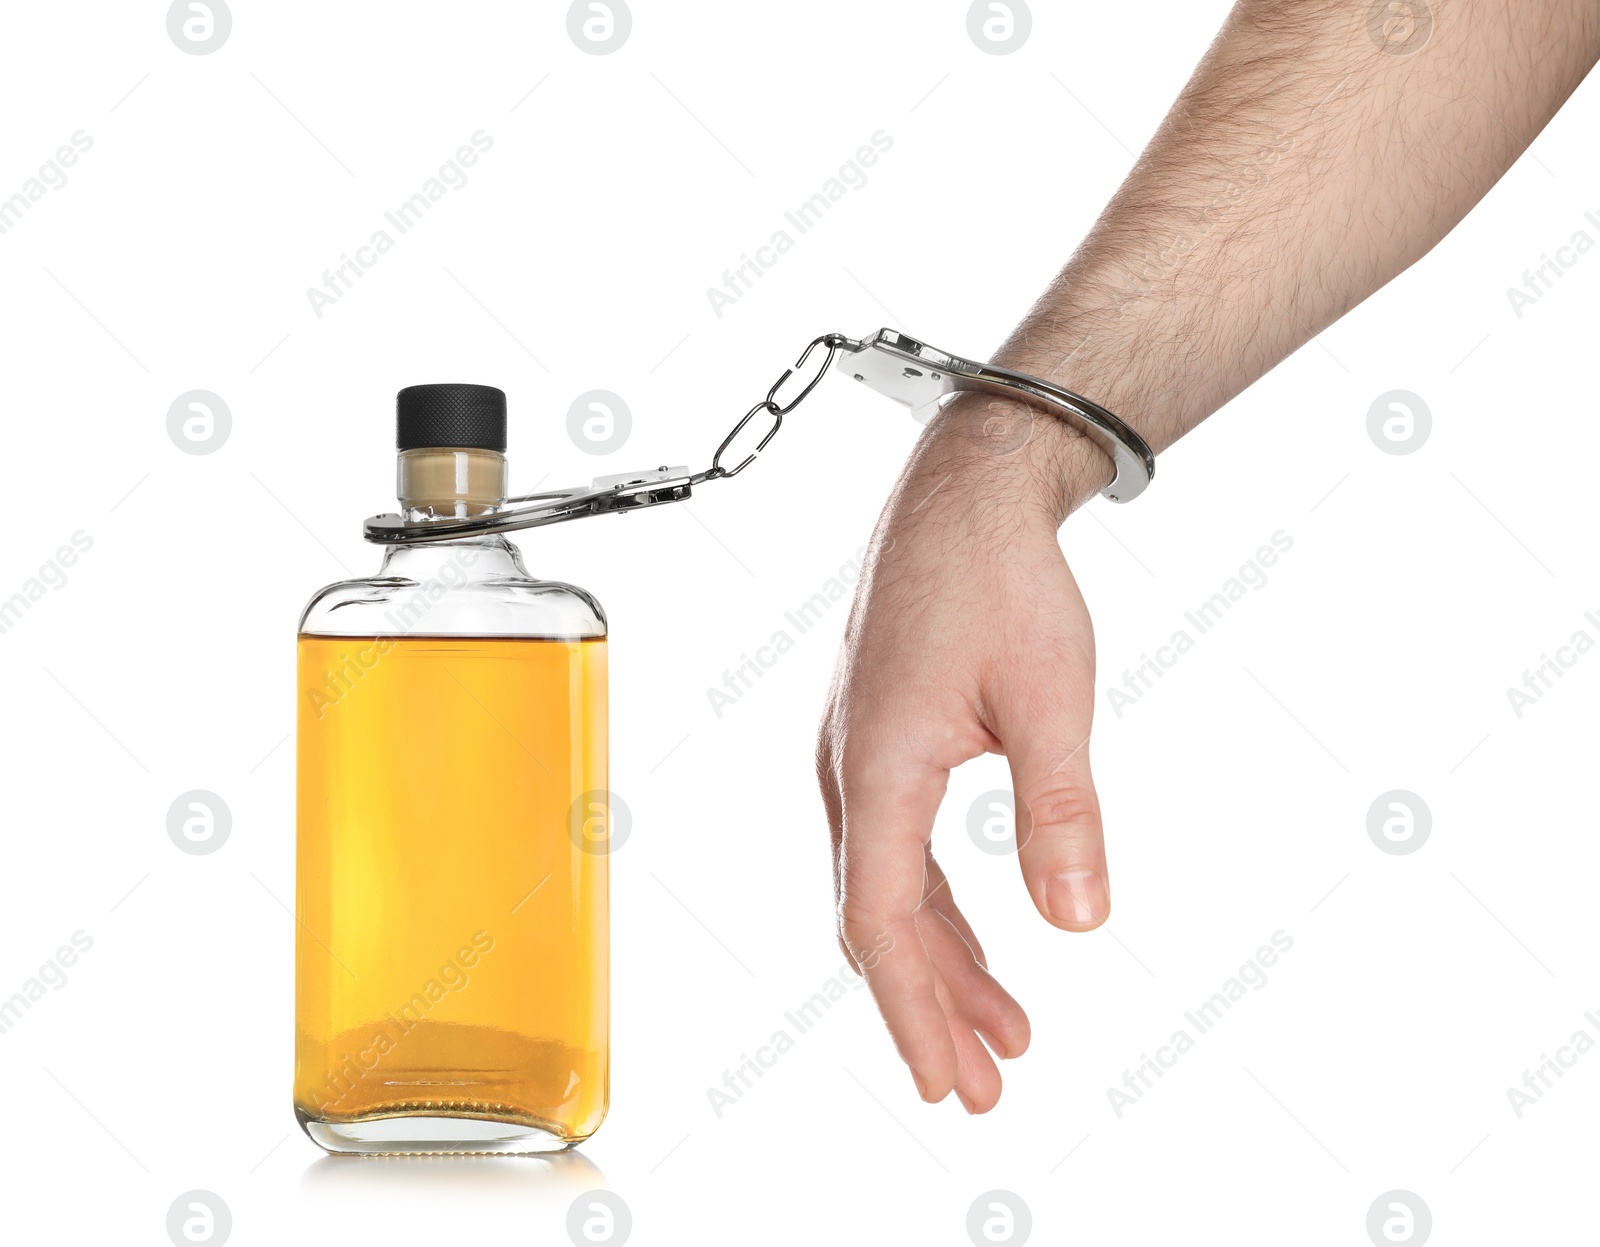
x=607, y=495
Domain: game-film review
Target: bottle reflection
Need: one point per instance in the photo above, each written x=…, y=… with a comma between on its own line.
x=556, y=1174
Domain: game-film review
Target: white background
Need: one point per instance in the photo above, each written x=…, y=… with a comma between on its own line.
x=177, y=257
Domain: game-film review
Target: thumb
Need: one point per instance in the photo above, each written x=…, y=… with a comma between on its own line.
x=1043, y=720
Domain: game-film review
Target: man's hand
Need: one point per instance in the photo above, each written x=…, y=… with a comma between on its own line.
x=1321, y=147
x=968, y=636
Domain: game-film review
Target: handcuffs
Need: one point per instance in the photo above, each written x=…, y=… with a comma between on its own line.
x=912, y=373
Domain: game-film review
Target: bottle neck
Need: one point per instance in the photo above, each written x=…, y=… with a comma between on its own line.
x=452, y=482
x=452, y=563
x=446, y=481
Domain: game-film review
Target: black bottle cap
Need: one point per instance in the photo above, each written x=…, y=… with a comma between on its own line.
x=450, y=414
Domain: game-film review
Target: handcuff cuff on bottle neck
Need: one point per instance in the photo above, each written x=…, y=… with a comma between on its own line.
x=912, y=373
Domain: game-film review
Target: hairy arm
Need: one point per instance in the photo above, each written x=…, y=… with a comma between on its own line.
x=1321, y=147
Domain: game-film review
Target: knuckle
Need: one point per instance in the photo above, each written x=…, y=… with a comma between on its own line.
x=1070, y=808
x=902, y=743
x=866, y=934
x=822, y=757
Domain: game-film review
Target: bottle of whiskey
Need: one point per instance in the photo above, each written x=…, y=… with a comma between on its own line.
x=451, y=987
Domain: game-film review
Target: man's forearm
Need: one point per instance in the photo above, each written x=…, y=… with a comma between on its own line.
x=1302, y=168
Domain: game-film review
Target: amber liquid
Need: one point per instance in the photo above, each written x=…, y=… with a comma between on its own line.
x=452, y=951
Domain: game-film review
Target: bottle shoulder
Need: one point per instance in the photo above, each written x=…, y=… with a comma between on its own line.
x=458, y=595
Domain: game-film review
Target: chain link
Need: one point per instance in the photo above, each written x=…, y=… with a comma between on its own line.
x=832, y=342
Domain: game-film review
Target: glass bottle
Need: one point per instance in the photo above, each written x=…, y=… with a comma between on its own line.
x=452, y=977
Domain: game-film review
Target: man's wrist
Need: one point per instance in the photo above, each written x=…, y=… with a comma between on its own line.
x=1009, y=450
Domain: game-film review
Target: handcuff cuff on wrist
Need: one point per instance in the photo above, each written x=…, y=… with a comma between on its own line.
x=912, y=373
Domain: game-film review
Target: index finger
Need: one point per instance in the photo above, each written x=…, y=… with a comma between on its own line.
x=887, y=802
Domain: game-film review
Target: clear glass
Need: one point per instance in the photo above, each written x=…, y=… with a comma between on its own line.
x=452, y=955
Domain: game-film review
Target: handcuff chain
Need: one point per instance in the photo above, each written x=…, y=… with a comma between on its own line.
x=914, y=374
x=833, y=342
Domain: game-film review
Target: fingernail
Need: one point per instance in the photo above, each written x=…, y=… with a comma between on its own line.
x=922, y=1087
x=966, y=1104
x=1077, y=897
x=991, y=1043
